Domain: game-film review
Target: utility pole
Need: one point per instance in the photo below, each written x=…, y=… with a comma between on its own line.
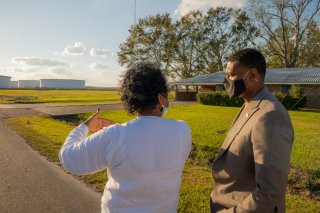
x=135, y=8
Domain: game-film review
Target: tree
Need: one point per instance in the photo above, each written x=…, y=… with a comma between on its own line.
x=226, y=30
x=283, y=26
x=310, y=56
x=196, y=44
x=149, y=41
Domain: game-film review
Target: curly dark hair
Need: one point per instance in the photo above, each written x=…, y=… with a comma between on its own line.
x=140, y=87
x=250, y=58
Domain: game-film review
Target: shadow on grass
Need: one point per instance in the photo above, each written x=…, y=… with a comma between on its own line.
x=71, y=119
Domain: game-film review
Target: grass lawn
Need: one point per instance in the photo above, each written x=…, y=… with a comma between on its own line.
x=208, y=125
x=50, y=96
x=10, y=96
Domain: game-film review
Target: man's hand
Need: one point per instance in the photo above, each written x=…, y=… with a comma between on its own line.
x=95, y=123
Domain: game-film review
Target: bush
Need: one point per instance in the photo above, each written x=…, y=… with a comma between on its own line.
x=296, y=91
x=290, y=101
x=218, y=98
x=221, y=98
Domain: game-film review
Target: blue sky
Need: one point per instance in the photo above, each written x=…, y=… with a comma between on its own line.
x=76, y=39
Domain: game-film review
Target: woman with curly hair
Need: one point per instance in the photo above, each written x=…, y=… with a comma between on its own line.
x=144, y=157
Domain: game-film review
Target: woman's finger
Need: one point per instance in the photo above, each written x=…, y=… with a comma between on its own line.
x=97, y=112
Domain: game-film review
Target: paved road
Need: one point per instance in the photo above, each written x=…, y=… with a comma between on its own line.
x=59, y=109
x=30, y=183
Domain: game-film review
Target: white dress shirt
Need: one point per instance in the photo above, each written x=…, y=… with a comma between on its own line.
x=144, y=157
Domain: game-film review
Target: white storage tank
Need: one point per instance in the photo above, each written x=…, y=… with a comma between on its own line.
x=62, y=83
x=4, y=81
x=28, y=83
x=14, y=84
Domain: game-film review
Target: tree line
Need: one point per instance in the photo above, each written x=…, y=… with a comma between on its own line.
x=286, y=31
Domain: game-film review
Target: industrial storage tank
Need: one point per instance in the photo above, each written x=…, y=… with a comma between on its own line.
x=28, y=83
x=4, y=81
x=62, y=83
x=14, y=84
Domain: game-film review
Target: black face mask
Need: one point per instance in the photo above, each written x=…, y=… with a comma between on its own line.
x=234, y=88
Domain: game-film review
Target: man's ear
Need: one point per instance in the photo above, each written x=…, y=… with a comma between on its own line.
x=254, y=74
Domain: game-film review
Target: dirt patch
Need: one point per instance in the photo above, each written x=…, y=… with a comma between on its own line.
x=306, y=184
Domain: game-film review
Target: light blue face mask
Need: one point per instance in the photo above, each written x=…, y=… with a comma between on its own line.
x=166, y=109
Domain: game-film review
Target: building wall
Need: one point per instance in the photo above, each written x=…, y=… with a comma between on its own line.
x=5, y=81
x=28, y=83
x=312, y=92
x=62, y=84
x=186, y=96
x=207, y=88
x=313, y=95
x=13, y=84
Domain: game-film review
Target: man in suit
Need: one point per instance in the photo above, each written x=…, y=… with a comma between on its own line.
x=251, y=168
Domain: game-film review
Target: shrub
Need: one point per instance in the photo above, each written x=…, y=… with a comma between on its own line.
x=221, y=98
x=218, y=98
x=290, y=101
x=296, y=91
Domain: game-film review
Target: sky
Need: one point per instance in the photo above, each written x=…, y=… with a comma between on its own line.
x=77, y=39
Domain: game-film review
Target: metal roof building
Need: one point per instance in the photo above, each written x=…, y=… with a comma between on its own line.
x=287, y=76
x=4, y=81
x=277, y=80
x=28, y=83
x=14, y=84
x=62, y=83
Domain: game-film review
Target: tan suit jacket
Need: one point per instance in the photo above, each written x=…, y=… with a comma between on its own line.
x=251, y=168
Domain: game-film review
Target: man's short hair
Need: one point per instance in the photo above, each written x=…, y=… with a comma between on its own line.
x=250, y=58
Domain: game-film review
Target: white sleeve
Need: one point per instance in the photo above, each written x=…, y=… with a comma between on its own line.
x=84, y=155
x=187, y=139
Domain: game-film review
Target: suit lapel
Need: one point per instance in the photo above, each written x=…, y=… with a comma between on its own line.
x=239, y=122
x=235, y=129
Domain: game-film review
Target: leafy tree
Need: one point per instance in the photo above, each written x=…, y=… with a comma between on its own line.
x=196, y=44
x=149, y=41
x=226, y=31
x=310, y=56
x=284, y=27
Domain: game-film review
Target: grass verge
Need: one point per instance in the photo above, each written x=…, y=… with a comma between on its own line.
x=208, y=125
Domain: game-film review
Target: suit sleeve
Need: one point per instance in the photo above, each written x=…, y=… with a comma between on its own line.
x=272, y=138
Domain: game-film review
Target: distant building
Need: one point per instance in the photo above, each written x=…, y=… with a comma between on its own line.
x=28, y=83
x=14, y=84
x=277, y=80
x=62, y=84
x=4, y=81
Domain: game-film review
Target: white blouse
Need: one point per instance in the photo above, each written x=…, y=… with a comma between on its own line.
x=144, y=157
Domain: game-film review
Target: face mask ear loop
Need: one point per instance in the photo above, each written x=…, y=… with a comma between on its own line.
x=245, y=77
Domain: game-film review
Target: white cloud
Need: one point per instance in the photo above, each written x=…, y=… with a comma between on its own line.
x=75, y=49
x=59, y=71
x=36, y=61
x=186, y=6
x=99, y=66
x=100, y=52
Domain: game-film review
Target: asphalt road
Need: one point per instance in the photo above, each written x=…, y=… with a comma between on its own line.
x=30, y=183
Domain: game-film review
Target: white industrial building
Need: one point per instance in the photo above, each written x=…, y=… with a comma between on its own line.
x=62, y=84
x=14, y=84
x=4, y=81
x=28, y=83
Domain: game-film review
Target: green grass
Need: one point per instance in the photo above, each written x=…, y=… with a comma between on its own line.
x=208, y=124
x=60, y=96
x=50, y=96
